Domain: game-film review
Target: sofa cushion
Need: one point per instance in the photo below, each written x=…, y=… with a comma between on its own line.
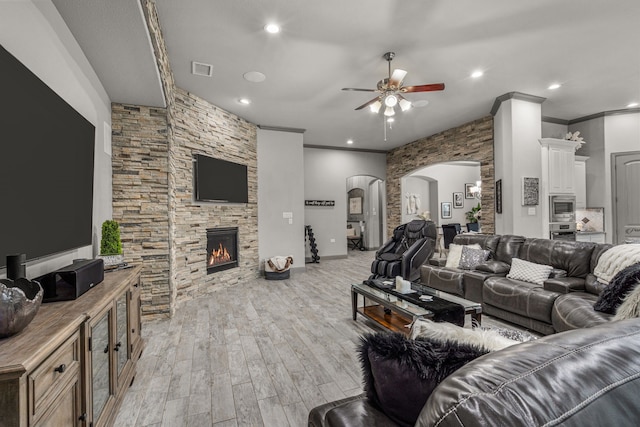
x=471, y=257
x=487, y=242
x=529, y=271
x=523, y=298
x=613, y=295
x=573, y=257
x=400, y=374
x=575, y=310
x=508, y=247
x=450, y=280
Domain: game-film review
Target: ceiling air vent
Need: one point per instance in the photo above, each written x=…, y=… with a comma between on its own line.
x=200, y=69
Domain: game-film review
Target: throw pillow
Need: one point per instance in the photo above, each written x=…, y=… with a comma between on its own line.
x=471, y=257
x=400, y=373
x=529, y=271
x=621, y=284
x=455, y=253
x=486, y=339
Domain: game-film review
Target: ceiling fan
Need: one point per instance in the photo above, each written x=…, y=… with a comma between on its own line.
x=391, y=90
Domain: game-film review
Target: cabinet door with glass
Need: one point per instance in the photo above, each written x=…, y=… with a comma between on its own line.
x=100, y=365
x=122, y=349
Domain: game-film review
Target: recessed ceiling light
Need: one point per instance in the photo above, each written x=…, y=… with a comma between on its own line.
x=420, y=103
x=272, y=28
x=632, y=104
x=477, y=74
x=244, y=101
x=254, y=76
x=554, y=86
x=349, y=141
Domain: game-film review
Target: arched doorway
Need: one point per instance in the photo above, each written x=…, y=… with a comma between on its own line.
x=366, y=209
x=443, y=192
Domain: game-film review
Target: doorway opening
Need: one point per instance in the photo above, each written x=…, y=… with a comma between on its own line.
x=366, y=212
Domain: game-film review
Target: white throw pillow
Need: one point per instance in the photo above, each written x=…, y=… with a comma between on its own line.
x=455, y=252
x=444, y=331
x=529, y=271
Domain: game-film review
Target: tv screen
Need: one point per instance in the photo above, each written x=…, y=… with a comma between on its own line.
x=46, y=173
x=220, y=181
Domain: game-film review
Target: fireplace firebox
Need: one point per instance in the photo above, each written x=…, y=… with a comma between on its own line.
x=222, y=249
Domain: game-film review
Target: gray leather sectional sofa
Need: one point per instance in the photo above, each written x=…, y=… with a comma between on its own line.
x=564, y=301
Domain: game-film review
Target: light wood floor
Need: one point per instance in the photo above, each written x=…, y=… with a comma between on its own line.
x=260, y=354
x=263, y=353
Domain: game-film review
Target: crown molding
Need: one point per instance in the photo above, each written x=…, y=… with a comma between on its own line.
x=281, y=129
x=515, y=95
x=361, y=150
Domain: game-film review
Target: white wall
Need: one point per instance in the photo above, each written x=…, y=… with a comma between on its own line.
x=593, y=133
x=325, y=178
x=280, y=190
x=517, y=128
x=34, y=32
x=450, y=178
x=554, y=130
x=418, y=185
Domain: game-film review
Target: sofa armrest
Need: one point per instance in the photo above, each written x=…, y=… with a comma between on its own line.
x=494, y=267
x=352, y=411
x=438, y=262
x=564, y=285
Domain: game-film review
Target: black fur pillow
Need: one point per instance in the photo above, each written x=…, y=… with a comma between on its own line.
x=622, y=283
x=400, y=374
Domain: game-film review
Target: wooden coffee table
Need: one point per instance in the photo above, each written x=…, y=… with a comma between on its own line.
x=400, y=313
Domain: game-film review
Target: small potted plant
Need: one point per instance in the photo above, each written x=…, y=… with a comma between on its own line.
x=110, y=244
x=474, y=214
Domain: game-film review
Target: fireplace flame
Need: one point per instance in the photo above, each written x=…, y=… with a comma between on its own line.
x=219, y=256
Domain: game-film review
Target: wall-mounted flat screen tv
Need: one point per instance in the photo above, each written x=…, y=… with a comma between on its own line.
x=46, y=173
x=219, y=180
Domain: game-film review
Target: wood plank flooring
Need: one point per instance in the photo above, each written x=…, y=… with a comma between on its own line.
x=260, y=354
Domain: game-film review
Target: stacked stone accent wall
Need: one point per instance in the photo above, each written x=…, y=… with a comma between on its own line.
x=471, y=141
x=201, y=128
x=140, y=198
x=161, y=226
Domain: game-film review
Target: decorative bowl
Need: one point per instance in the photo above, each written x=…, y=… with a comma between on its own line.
x=19, y=302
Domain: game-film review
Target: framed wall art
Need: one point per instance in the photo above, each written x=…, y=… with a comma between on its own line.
x=458, y=200
x=445, y=210
x=467, y=190
x=499, y=196
x=530, y=191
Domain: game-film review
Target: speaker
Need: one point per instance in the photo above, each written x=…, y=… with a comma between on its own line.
x=16, y=266
x=70, y=282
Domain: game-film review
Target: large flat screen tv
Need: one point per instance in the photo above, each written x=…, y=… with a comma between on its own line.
x=46, y=173
x=219, y=180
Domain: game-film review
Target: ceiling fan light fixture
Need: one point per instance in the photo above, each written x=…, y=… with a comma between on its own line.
x=272, y=28
x=389, y=111
x=375, y=107
x=391, y=100
x=404, y=104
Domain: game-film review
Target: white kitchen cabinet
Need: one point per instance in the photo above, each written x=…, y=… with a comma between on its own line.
x=558, y=160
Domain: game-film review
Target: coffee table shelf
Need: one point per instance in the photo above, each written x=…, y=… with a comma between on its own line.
x=394, y=313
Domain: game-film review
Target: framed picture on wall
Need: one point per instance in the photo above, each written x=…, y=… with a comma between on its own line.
x=467, y=190
x=499, y=196
x=355, y=205
x=445, y=210
x=458, y=201
x=530, y=190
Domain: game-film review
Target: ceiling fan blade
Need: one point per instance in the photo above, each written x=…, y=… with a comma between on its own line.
x=358, y=90
x=423, y=88
x=397, y=77
x=366, y=104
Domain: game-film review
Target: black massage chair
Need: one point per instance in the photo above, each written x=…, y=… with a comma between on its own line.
x=411, y=245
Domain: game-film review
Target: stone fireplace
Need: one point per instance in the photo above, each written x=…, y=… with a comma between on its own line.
x=222, y=249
